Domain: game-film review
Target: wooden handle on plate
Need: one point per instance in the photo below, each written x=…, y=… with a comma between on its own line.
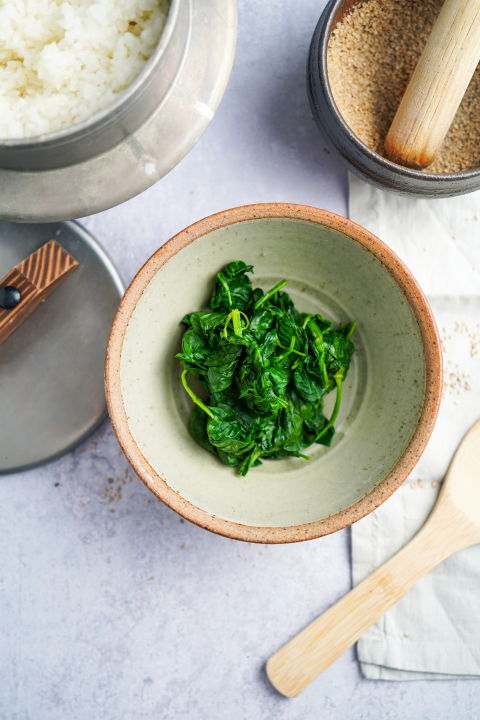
x=34, y=278
x=437, y=86
x=299, y=662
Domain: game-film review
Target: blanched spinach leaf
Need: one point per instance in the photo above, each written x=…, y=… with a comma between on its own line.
x=266, y=368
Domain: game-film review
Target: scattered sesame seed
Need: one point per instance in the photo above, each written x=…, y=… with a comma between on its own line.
x=228, y=593
x=56, y=484
x=405, y=634
x=240, y=556
x=184, y=547
x=82, y=505
x=434, y=483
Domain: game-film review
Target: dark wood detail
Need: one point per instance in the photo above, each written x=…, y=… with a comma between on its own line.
x=35, y=278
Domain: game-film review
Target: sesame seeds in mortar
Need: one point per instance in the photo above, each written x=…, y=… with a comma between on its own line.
x=372, y=55
x=62, y=62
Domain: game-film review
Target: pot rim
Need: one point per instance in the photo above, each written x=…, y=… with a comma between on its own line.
x=409, y=457
x=323, y=32
x=115, y=107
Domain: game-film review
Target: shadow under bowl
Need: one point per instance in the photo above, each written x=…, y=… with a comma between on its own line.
x=391, y=396
x=362, y=161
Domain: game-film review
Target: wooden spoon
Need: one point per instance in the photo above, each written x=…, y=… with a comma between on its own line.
x=437, y=86
x=454, y=524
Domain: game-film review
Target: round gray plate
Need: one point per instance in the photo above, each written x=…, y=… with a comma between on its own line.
x=52, y=393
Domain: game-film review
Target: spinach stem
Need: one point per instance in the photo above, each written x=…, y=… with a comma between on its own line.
x=307, y=320
x=351, y=331
x=195, y=399
x=290, y=349
x=246, y=319
x=222, y=279
x=269, y=294
x=338, y=377
x=237, y=325
x=234, y=316
x=320, y=345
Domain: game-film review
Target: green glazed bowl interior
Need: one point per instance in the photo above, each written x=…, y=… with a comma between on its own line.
x=384, y=421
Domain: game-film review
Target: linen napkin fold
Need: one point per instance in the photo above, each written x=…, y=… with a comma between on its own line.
x=433, y=632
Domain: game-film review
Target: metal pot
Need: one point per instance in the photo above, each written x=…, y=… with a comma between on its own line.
x=359, y=158
x=134, y=142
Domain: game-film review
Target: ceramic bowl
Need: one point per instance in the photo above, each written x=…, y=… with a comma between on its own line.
x=359, y=158
x=391, y=396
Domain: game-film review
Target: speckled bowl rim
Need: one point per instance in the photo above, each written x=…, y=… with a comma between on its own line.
x=410, y=456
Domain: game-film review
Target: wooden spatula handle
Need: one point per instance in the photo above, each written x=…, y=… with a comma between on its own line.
x=437, y=86
x=299, y=662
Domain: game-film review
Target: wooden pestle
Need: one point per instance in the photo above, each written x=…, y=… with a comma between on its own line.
x=437, y=86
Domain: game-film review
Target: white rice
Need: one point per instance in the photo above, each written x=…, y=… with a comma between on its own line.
x=61, y=62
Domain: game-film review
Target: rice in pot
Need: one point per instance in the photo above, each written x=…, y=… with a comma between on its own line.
x=62, y=62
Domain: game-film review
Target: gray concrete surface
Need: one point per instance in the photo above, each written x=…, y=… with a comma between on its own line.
x=136, y=614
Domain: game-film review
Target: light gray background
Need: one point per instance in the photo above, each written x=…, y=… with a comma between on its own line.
x=107, y=615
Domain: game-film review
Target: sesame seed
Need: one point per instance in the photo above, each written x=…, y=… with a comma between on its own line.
x=372, y=54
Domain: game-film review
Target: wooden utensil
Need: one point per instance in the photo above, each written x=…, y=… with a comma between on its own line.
x=437, y=86
x=30, y=283
x=454, y=524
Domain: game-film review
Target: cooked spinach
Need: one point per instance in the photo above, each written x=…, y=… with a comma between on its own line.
x=266, y=368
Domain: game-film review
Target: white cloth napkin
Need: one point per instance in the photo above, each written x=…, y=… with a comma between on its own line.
x=434, y=631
